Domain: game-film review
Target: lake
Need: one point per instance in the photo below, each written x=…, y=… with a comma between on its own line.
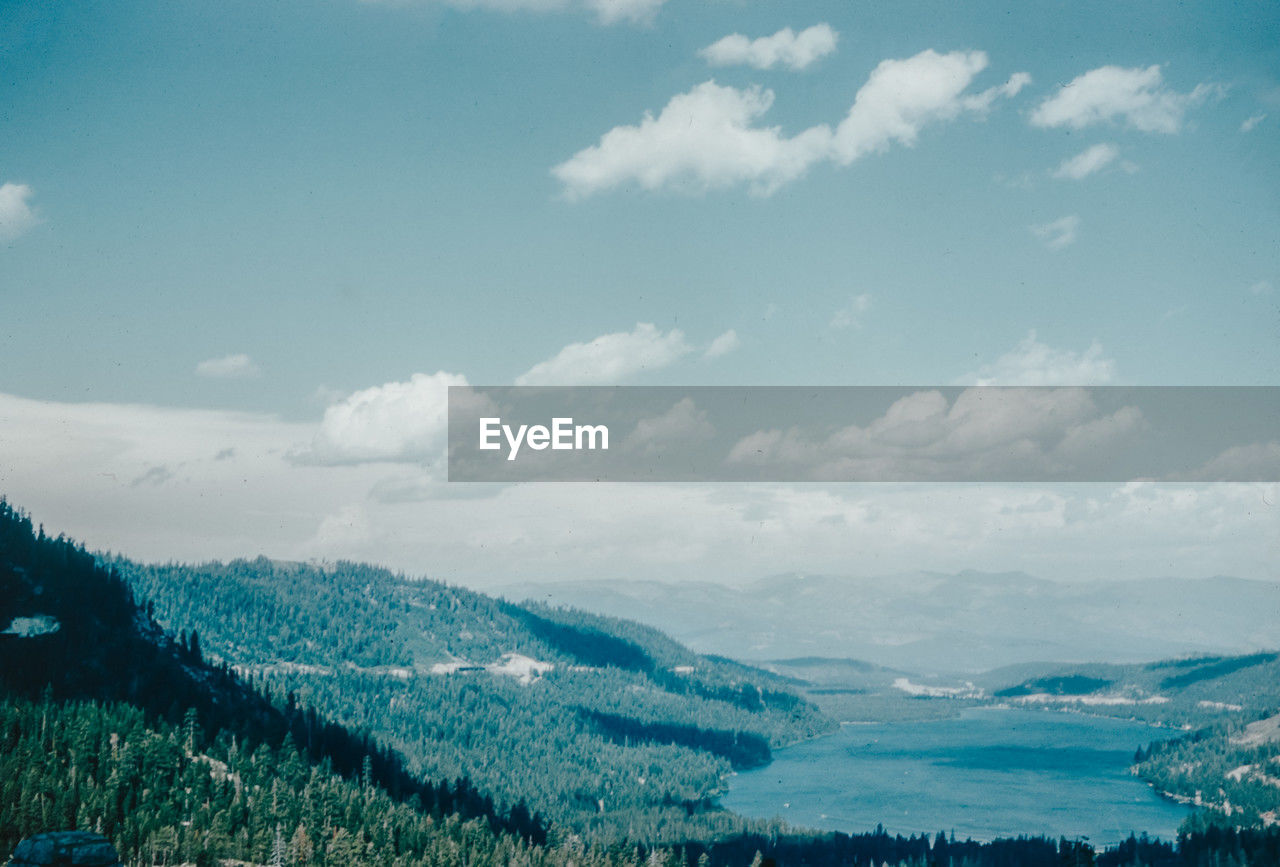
x=992, y=772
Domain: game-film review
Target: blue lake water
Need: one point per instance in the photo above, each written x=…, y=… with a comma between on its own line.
x=992, y=772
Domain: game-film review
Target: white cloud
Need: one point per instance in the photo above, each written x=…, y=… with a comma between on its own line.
x=1032, y=362
x=1248, y=124
x=1135, y=96
x=238, y=366
x=708, y=138
x=1262, y=287
x=1058, y=233
x=610, y=358
x=784, y=48
x=851, y=313
x=71, y=465
x=702, y=140
x=16, y=215
x=606, y=11
x=398, y=421
x=1088, y=162
x=901, y=97
x=723, y=345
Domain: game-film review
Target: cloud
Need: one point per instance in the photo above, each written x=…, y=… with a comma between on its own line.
x=1034, y=363
x=634, y=11
x=238, y=366
x=902, y=97
x=1262, y=287
x=982, y=433
x=16, y=215
x=1248, y=463
x=1087, y=162
x=398, y=421
x=606, y=11
x=610, y=358
x=723, y=345
x=683, y=421
x=1134, y=96
x=1249, y=123
x=708, y=138
x=702, y=140
x=1059, y=233
x=784, y=48
x=851, y=313
x=71, y=465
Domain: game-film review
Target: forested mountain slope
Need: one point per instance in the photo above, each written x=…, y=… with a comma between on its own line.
x=602, y=724
x=1227, y=757
x=94, y=696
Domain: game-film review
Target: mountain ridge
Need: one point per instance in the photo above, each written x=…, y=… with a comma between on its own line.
x=968, y=621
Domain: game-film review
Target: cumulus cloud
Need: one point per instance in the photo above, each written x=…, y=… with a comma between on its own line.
x=16, y=215
x=1032, y=362
x=1088, y=162
x=1002, y=433
x=610, y=358
x=237, y=366
x=398, y=421
x=702, y=140
x=851, y=314
x=1249, y=123
x=723, y=345
x=709, y=138
x=1059, y=233
x=1136, y=97
x=784, y=48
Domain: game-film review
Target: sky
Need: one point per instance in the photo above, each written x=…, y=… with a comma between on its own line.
x=245, y=246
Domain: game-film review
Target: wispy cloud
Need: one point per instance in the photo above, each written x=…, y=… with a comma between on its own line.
x=1059, y=233
x=1249, y=123
x=16, y=215
x=1136, y=97
x=610, y=358
x=606, y=11
x=850, y=315
x=1087, y=162
x=784, y=48
x=238, y=366
x=709, y=138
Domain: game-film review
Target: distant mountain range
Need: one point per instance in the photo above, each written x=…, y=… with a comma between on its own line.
x=963, y=622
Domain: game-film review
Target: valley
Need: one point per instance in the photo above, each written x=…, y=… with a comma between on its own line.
x=388, y=719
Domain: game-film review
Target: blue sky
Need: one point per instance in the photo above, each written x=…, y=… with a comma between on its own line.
x=285, y=215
